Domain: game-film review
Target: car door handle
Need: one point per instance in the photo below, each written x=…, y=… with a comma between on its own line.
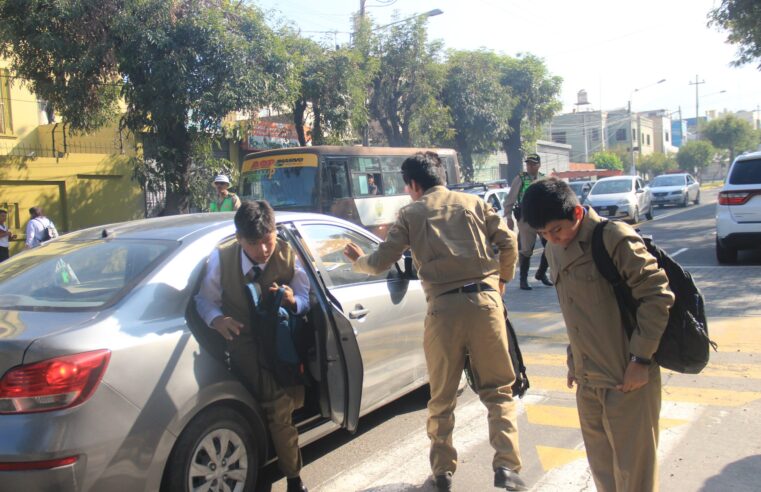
x=359, y=312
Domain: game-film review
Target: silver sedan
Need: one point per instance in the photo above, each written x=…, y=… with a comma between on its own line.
x=110, y=381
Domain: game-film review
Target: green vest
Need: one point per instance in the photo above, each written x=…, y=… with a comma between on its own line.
x=280, y=269
x=226, y=205
x=526, y=181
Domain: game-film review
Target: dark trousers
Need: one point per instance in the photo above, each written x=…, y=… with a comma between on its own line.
x=4, y=253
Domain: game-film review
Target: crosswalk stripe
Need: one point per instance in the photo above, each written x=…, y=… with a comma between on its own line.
x=700, y=396
x=713, y=369
x=736, y=334
x=551, y=457
x=556, y=416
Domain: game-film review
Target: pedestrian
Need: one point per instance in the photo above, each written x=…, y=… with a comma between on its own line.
x=258, y=256
x=451, y=236
x=226, y=201
x=526, y=234
x=37, y=228
x=372, y=188
x=5, y=236
x=618, y=385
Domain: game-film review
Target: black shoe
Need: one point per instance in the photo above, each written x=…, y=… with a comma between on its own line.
x=296, y=485
x=504, y=478
x=523, y=265
x=543, y=279
x=525, y=285
x=443, y=481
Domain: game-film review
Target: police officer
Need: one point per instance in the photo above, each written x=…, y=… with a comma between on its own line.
x=258, y=256
x=526, y=235
x=226, y=201
x=451, y=236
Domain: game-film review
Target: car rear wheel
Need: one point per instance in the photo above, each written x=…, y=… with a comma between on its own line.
x=725, y=254
x=697, y=198
x=635, y=216
x=216, y=451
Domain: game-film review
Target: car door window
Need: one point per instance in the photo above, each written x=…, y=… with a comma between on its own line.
x=326, y=243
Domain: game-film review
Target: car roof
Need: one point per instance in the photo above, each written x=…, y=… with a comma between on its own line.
x=178, y=227
x=749, y=156
x=614, y=178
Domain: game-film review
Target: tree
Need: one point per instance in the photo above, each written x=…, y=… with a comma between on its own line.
x=607, y=160
x=407, y=81
x=657, y=163
x=179, y=66
x=696, y=155
x=741, y=19
x=535, y=101
x=731, y=133
x=479, y=105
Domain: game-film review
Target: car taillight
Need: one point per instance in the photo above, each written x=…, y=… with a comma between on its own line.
x=37, y=465
x=52, y=384
x=735, y=197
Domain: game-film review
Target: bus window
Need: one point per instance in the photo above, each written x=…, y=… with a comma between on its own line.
x=369, y=184
x=393, y=184
x=285, y=187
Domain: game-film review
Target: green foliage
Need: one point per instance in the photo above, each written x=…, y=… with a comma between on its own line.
x=731, y=133
x=180, y=66
x=657, y=163
x=607, y=160
x=479, y=104
x=741, y=19
x=696, y=155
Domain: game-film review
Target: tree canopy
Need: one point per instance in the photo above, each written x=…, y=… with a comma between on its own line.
x=741, y=19
x=607, y=160
x=656, y=163
x=732, y=134
x=696, y=155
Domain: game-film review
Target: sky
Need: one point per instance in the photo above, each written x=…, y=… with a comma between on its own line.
x=615, y=50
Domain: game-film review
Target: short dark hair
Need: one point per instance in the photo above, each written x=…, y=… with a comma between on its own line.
x=3, y=211
x=36, y=211
x=424, y=168
x=254, y=220
x=546, y=200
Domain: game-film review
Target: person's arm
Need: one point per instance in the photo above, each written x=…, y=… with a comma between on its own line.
x=389, y=251
x=300, y=285
x=505, y=240
x=209, y=301
x=4, y=233
x=31, y=233
x=236, y=202
x=512, y=196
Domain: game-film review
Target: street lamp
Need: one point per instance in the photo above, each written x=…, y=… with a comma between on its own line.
x=637, y=137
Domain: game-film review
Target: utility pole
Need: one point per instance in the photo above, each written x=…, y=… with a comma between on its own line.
x=697, y=112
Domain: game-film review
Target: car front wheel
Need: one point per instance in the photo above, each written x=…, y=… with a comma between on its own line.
x=649, y=214
x=635, y=215
x=697, y=198
x=216, y=451
x=725, y=254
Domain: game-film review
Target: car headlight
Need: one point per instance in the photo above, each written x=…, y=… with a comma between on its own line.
x=679, y=192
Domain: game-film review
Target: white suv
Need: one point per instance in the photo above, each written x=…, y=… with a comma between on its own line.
x=738, y=213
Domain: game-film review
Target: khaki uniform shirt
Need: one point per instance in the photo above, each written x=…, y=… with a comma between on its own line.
x=598, y=342
x=451, y=236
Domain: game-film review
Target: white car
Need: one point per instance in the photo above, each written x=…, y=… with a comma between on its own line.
x=738, y=213
x=675, y=189
x=621, y=197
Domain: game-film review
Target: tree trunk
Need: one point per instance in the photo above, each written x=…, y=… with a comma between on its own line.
x=466, y=163
x=298, y=120
x=176, y=161
x=317, y=137
x=512, y=147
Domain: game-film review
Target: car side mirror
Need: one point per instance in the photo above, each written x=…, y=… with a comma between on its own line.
x=641, y=190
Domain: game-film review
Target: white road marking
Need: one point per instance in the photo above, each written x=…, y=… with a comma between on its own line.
x=679, y=211
x=679, y=252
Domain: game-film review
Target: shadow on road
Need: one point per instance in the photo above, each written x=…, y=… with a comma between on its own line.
x=740, y=476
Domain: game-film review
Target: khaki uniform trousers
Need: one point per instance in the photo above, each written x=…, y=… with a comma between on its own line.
x=472, y=322
x=278, y=403
x=526, y=239
x=620, y=433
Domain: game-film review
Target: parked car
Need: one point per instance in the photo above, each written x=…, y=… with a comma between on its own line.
x=492, y=192
x=110, y=380
x=621, y=197
x=738, y=212
x=581, y=188
x=675, y=189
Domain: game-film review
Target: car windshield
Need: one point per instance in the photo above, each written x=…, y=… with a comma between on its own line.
x=614, y=186
x=577, y=187
x=77, y=275
x=746, y=172
x=667, y=181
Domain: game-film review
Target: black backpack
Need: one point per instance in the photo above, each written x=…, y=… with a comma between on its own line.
x=684, y=346
x=521, y=383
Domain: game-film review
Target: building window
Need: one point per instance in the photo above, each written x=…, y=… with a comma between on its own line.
x=667, y=136
x=634, y=134
x=648, y=139
x=595, y=134
x=5, y=103
x=558, y=137
x=620, y=135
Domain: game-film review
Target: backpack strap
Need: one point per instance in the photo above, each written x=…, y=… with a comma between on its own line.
x=604, y=263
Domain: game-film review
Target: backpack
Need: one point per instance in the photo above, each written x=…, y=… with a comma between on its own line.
x=48, y=231
x=684, y=346
x=521, y=384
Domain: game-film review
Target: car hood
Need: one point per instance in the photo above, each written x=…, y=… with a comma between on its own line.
x=608, y=199
x=18, y=329
x=661, y=189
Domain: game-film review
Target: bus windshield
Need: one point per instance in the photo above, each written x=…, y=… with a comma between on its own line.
x=288, y=187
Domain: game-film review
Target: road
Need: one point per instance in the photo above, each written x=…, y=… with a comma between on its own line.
x=710, y=423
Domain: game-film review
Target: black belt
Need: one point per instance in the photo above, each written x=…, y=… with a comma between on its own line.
x=470, y=288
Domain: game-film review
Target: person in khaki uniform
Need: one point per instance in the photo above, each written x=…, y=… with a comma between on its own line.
x=258, y=256
x=526, y=234
x=451, y=236
x=618, y=390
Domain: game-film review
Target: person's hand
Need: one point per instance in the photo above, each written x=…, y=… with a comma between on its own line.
x=502, y=286
x=227, y=327
x=570, y=378
x=635, y=377
x=510, y=222
x=289, y=301
x=352, y=252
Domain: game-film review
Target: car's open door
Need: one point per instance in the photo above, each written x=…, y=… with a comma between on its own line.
x=338, y=353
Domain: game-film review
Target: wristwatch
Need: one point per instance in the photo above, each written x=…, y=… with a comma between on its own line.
x=640, y=360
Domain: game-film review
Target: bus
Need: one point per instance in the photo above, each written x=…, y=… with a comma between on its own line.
x=363, y=185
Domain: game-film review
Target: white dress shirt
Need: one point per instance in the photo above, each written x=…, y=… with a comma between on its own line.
x=5, y=240
x=209, y=297
x=34, y=230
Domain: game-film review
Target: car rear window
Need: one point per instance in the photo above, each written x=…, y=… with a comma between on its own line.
x=746, y=172
x=77, y=275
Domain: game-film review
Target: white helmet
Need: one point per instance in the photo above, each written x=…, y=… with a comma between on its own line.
x=222, y=179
